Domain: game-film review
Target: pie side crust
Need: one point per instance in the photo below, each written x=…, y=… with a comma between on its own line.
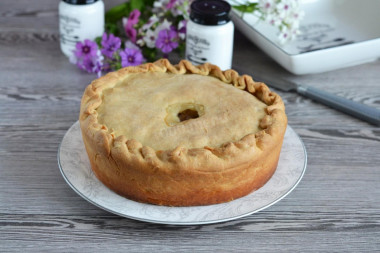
x=183, y=176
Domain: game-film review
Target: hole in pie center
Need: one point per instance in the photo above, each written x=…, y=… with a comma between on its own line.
x=181, y=112
x=187, y=114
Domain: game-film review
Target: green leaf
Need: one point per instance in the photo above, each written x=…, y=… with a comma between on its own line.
x=246, y=8
x=150, y=54
x=181, y=49
x=137, y=4
x=117, y=12
x=117, y=65
x=149, y=2
x=98, y=41
x=113, y=28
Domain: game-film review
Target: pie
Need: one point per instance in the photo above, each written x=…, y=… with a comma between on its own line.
x=181, y=135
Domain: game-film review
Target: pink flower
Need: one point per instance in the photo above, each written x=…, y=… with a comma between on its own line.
x=134, y=17
x=131, y=32
x=129, y=24
x=171, y=4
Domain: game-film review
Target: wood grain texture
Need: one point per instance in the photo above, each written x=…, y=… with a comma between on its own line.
x=335, y=208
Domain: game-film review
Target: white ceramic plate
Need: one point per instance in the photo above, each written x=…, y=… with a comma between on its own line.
x=335, y=34
x=75, y=168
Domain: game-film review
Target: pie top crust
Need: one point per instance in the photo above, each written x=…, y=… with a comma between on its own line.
x=156, y=99
x=133, y=115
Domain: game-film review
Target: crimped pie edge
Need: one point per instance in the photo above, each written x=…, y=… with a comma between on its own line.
x=226, y=156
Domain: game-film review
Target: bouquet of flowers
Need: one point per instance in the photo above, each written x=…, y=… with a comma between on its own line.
x=144, y=30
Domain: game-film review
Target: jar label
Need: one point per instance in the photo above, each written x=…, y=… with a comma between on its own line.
x=197, y=49
x=69, y=27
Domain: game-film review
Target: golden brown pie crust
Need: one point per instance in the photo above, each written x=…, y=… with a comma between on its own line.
x=183, y=176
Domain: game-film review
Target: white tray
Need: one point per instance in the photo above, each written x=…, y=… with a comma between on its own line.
x=335, y=34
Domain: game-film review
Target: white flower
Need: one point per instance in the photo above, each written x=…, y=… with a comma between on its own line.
x=149, y=33
x=130, y=44
x=283, y=8
x=160, y=3
x=73, y=58
x=267, y=6
x=289, y=9
x=124, y=20
x=297, y=14
x=273, y=20
x=284, y=35
x=150, y=38
x=151, y=21
x=180, y=8
x=184, y=8
x=295, y=33
x=182, y=29
x=283, y=14
x=140, y=42
x=164, y=25
x=176, y=8
x=287, y=34
x=159, y=7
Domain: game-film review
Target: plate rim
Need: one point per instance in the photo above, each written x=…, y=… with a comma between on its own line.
x=178, y=222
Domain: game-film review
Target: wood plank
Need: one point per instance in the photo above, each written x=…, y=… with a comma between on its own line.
x=334, y=208
x=109, y=233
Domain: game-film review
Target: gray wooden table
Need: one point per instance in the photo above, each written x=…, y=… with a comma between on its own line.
x=336, y=207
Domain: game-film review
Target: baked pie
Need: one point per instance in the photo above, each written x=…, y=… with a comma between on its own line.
x=181, y=135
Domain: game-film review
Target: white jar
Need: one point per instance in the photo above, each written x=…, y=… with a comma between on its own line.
x=79, y=20
x=210, y=33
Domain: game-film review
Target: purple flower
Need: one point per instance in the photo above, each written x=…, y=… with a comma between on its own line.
x=131, y=32
x=110, y=44
x=91, y=64
x=134, y=17
x=131, y=57
x=87, y=49
x=166, y=40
